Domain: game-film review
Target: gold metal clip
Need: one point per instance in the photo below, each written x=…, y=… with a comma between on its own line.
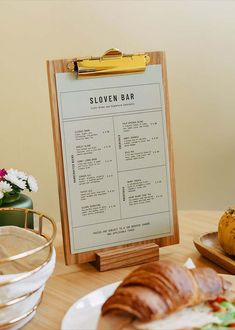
x=112, y=62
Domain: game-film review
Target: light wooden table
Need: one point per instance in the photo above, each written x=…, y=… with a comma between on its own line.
x=69, y=283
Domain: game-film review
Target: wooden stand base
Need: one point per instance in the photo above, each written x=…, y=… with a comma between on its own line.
x=126, y=256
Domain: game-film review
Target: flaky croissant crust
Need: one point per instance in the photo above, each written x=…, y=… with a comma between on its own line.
x=155, y=290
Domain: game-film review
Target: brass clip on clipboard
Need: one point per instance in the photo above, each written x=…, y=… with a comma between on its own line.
x=112, y=62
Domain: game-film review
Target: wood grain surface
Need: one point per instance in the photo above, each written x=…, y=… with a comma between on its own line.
x=130, y=256
x=58, y=66
x=208, y=245
x=69, y=283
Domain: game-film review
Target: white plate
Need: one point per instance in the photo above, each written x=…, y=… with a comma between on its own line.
x=84, y=313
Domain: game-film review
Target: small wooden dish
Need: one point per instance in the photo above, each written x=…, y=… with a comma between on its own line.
x=208, y=245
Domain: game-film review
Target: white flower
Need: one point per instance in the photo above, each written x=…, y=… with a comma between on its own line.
x=20, y=180
x=12, y=177
x=5, y=187
x=33, y=186
x=12, y=172
x=19, y=174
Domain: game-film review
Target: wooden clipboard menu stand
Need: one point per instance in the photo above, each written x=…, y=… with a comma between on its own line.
x=137, y=250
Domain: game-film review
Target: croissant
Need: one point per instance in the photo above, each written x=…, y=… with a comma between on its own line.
x=156, y=290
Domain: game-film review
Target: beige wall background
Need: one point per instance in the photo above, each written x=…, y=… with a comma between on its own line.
x=199, y=40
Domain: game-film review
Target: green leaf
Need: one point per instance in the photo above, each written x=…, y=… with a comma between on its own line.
x=226, y=318
x=230, y=307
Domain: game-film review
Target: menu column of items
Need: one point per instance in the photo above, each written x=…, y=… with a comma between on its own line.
x=141, y=164
x=92, y=171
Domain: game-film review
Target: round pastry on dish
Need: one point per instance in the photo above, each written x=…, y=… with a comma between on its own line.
x=226, y=231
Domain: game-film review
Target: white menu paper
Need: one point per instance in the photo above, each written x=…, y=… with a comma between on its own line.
x=115, y=154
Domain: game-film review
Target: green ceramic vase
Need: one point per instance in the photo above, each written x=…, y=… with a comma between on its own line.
x=14, y=218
